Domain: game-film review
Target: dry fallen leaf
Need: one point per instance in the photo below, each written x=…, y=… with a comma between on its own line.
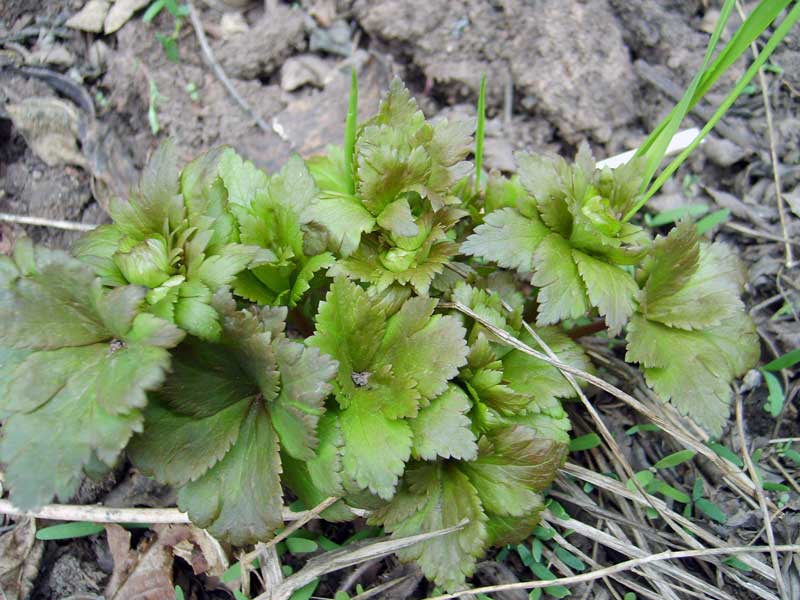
x=20, y=555
x=90, y=17
x=50, y=127
x=121, y=12
x=141, y=574
x=145, y=573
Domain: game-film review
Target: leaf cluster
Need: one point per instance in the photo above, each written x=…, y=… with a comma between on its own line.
x=240, y=334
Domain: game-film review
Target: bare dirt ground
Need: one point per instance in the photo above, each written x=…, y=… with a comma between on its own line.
x=80, y=112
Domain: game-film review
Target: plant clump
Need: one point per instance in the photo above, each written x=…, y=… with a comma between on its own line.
x=240, y=334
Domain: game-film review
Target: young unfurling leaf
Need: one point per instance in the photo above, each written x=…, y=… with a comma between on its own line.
x=175, y=237
x=568, y=231
x=393, y=226
x=75, y=365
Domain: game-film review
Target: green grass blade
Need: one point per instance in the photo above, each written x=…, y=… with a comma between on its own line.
x=66, y=531
x=780, y=33
x=479, y=134
x=654, y=147
x=351, y=125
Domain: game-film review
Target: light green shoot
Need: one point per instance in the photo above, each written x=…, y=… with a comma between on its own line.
x=479, y=134
x=654, y=147
x=351, y=125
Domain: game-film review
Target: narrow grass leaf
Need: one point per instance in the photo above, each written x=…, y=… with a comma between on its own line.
x=569, y=559
x=711, y=510
x=734, y=562
x=676, y=214
x=642, y=428
x=708, y=223
x=584, y=442
x=675, y=459
x=784, y=362
x=479, y=134
x=726, y=453
x=66, y=531
x=179, y=593
x=351, y=125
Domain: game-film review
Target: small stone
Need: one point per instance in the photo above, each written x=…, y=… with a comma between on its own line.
x=91, y=17
x=305, y=69
x=333, y=40
x=498, y=153
x=233, y=23
x=723, y=152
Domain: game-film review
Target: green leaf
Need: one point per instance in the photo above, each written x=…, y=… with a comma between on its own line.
x=727, y=454
x=305, y=592
x=508, y=239
x=68, y=531
x=776, y=398
x=443, y=428
x=77, y=394
x=570, y=559
x=221, y=418
x=612, y=290
x=562, y=293
x=711, y=510
x=783, y=362
x=239, y=499
x=298, y=545
x=338, y=210
x=514, y=465
x=693, y=298
x=708, y=222
x=433, y=497
x=584, y=442
x=694, y=369
x=397, y=219
x=539, y=380
x=375, y=448
x=675, y=459
x=388, y=369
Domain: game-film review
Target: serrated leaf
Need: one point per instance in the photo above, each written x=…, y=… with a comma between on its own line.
x=443, y=428
x=514, y=465
x=178, y=447
x=78, y=395
x=511, y=530
x=240, y=498
x=694, y=369
x=375, y=448
x=253, y=391
x=694, y=285
x=436, y=496
x=397, y=219
x=612, y=290
x=562, y=293
x=507, y=238
x=338, y=211
x=539, y=380
x=305, y=374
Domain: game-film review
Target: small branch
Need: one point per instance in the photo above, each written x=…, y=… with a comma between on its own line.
x=105, y=514
x=618, y=568
x=301, y=520
x=41, y=222
x=219, y=72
